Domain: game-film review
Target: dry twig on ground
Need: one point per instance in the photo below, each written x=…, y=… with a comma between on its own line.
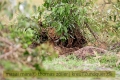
x=12, y=47
x=11, y=51
x=4, y=40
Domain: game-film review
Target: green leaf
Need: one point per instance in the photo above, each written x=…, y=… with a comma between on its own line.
x=37, y=67
x=61, y=10
x=59, y=27
x=26, y=53
x=110, y=17
x=114, y=18
x=63, y=38
x=65, y=29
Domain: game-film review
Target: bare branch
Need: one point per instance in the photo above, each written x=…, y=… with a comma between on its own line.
x=10, y=52
x=5, y=41
x=95, y=36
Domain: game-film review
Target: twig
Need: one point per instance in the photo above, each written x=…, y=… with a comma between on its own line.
x=10, y=52
x=91, y=31
x=5, y=40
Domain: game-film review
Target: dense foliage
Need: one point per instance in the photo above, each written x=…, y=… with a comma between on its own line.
x=65, y=16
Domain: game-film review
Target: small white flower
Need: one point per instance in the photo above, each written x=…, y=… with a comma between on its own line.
x=108, y=11
x=21, y=8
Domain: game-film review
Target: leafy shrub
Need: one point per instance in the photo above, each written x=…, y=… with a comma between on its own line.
x=65, y=16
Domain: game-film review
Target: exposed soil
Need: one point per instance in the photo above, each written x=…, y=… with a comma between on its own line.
x=78, y=40
x=75, y=41
x=81, y=52
x=74, y=45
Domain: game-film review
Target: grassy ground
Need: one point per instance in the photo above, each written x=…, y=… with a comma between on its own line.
x=104, y=62
x=71, y=63
x=93, y=64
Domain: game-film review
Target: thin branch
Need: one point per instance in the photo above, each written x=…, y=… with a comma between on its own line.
x=5, y=41
x=94, y=35
x=10, y=52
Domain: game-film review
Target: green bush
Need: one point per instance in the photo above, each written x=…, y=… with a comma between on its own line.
x=65, y=16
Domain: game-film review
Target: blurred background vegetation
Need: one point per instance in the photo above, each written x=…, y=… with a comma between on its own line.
x=20, y=30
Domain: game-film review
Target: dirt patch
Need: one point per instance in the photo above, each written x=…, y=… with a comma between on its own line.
x=89, y=51
x=74, y=45
x=80, y=52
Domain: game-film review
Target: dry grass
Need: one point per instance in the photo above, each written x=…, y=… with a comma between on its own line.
x=36, y=2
